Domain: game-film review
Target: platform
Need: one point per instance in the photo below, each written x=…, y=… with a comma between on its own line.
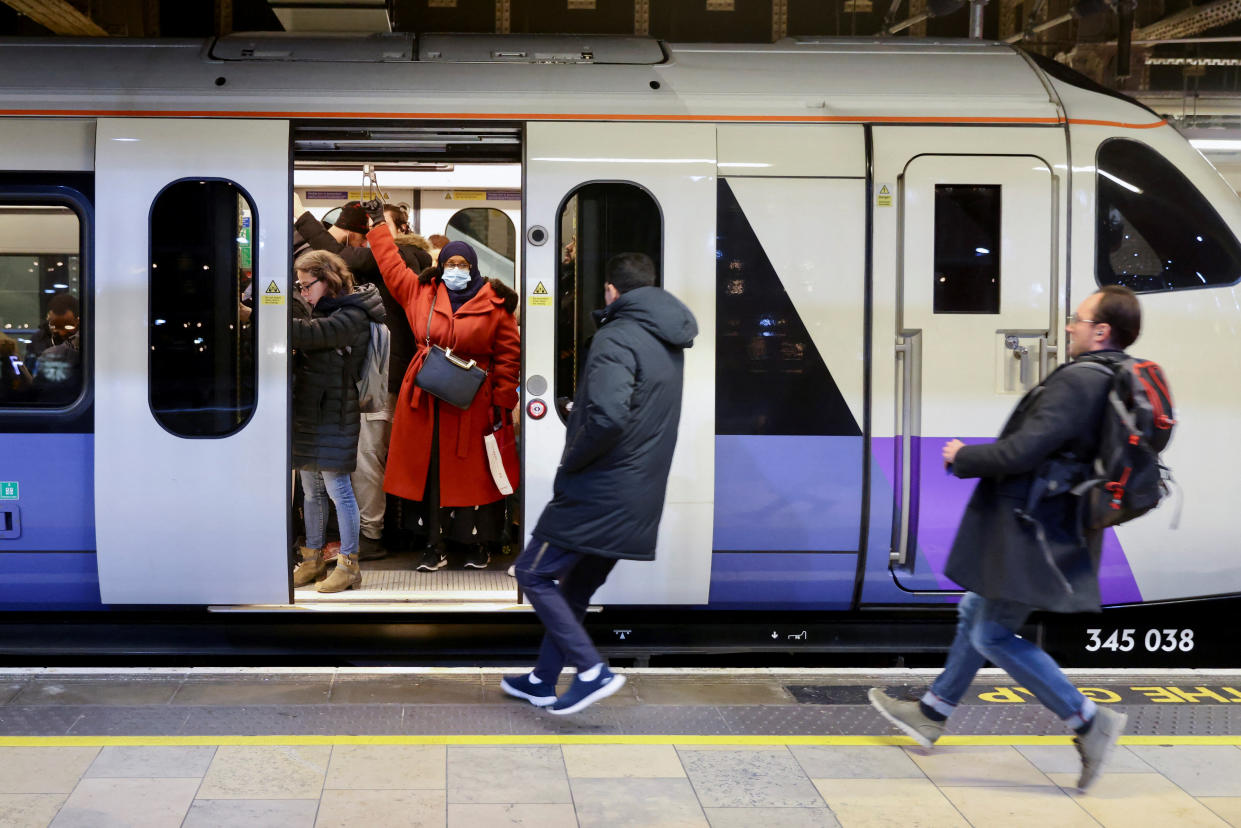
x=433, y=746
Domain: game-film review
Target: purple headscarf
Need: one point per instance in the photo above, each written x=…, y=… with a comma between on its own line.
x=460, y=248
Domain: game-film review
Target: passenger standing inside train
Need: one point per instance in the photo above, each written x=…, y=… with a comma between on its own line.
x=329, y=333
x=998, y=556
x=61, y=325
x=438, y=241
x=608, y=495
x=347, y=239
x=438, y=457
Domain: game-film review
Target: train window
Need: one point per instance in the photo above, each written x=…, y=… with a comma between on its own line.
x=492, y=235
x=596, y=222
x=201, y=336
x=1154, y=230
x=41, y=318
x=967, y=248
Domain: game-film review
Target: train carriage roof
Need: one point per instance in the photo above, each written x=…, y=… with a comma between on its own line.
x=526, y=77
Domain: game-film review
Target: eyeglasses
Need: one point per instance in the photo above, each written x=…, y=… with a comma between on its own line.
x=304, y=287
x=1074, y=319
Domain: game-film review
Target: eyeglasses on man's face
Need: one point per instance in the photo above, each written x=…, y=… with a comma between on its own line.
x=1074, y=319
x=304, y=287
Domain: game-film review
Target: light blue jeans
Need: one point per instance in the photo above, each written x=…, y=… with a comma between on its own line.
x=317, y=487
x=987, y=631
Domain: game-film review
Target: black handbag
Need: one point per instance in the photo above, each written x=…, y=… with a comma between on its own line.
x=446, y=377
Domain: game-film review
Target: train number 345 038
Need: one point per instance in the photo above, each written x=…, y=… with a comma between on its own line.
x=1123, y=641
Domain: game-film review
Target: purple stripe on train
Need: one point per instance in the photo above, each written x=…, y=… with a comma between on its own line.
x=941, y=501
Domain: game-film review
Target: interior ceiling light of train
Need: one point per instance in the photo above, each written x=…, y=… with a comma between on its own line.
x=405, y=145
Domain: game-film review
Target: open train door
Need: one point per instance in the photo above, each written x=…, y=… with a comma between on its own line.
x=191, y=393
x=594, y=190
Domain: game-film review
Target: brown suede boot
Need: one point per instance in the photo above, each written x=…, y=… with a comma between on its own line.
x=310, y=569
x=346, y=575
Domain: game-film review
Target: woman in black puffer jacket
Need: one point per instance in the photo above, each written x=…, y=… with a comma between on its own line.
x=329, y=334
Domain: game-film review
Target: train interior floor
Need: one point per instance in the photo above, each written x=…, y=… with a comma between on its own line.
x=444, y=746
x=396, y=579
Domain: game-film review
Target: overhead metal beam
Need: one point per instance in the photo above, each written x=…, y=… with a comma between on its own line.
x=59, y=16
x=1192, y=21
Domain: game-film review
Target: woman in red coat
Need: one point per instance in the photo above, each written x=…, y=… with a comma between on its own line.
x=437, y=458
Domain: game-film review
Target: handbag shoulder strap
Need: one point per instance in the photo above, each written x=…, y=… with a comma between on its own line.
x=434, y=295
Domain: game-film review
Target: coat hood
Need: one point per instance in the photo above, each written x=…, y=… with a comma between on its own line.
x=412, y=240
x=365, y=296
x=658, y=311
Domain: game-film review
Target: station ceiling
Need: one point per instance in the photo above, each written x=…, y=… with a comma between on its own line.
x=1178, y=45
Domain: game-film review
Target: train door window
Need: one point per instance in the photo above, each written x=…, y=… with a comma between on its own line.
x=596, y=222
x=201, y=334
x=967, y=248
x=41, y=318
x=1155, y=231
x=492, y=235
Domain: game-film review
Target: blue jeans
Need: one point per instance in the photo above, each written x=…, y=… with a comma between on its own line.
x=987, y=631
x=317, y=487
x=562, y=607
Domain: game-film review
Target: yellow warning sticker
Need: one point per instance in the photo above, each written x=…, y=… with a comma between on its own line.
x=884, y=197
x=539, y=297
x=273, y=294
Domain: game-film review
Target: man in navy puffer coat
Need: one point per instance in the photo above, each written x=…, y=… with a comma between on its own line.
x=608, y=495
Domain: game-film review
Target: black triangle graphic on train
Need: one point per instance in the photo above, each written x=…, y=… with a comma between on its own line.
x=769, y=376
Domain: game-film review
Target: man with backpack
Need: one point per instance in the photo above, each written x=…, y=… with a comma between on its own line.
x=1026, y=540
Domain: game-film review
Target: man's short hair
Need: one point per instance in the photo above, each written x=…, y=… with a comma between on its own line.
x=63, y=303
x=1119, y=308
x=437, y=240
x=630, y=271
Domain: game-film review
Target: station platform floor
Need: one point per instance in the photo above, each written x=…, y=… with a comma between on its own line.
x=444, y=747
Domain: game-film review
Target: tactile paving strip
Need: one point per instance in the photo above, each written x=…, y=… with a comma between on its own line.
x=517, y=718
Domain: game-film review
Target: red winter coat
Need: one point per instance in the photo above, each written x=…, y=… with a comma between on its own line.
x=481, y=329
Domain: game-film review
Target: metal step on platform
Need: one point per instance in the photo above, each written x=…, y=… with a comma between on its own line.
x=405, y=586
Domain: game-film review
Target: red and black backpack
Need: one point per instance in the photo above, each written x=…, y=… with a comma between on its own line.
x=1129, y=477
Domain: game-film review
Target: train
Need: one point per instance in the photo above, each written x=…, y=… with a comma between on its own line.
x=881, y=240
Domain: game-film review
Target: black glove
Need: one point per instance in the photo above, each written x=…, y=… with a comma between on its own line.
x=375, y=209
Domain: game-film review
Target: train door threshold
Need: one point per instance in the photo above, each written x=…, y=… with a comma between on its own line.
x=466, y=606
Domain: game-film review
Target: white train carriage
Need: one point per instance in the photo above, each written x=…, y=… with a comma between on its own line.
x=881, y=241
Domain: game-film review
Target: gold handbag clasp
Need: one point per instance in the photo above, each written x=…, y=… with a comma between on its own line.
x=458, y=361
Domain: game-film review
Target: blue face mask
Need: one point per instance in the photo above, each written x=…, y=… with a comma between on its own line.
x=456, y=278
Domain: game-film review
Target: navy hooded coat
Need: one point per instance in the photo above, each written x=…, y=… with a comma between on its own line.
x=608, y=495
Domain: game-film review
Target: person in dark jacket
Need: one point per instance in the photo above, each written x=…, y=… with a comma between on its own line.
x=329, y=333
x=1015, y=557
x=347, y=239
x=608, y=495
x=62, y=325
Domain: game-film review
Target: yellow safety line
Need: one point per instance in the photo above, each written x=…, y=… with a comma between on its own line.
x=583, y=739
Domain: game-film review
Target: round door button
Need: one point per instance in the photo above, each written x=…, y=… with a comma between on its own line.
x=536, y=409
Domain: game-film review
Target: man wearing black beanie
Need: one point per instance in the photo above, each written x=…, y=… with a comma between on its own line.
x=609, y=489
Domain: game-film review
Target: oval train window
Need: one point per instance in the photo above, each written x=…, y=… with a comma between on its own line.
x=201, y=334
x=596, y=222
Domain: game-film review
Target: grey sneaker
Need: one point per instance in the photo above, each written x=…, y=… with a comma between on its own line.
x=907, y=716
x=1097, y=745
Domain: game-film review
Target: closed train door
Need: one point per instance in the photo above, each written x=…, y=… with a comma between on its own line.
x=191, y=393
x=594, y=190
x=968, y=254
